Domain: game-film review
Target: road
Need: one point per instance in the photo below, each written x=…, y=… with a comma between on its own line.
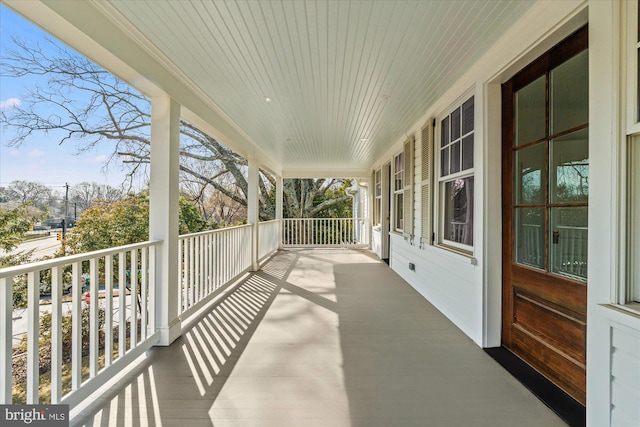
x=20, y=315
x=43, y=247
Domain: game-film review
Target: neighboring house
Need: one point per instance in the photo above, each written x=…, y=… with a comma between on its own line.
x=514, y=194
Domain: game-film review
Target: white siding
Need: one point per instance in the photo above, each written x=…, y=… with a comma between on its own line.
x=449, y=281
x=625, y=376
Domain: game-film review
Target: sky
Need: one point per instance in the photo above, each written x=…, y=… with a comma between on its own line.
x=41, y=158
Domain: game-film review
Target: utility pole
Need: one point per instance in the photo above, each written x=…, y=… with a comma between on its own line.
x=66, y=211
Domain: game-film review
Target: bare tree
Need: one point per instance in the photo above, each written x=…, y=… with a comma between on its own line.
x=306, y=198
x=85, y=194
x=88, y=105
x=26, y=191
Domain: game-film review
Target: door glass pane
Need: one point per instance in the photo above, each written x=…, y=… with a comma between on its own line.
x=530, y=185
x=529, y=237
x=568, y=241
x=569, y=87
x=530, y=112
x=569, y=170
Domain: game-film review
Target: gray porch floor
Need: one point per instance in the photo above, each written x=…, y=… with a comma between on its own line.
x=325, y=338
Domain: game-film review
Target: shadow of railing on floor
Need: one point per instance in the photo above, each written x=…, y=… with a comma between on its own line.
x=169, y=382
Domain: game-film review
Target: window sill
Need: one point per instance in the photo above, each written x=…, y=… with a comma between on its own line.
x=621, y=313
x=631, y=307
x=459, y=253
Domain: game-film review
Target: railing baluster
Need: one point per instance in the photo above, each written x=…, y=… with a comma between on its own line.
x=93, y=317
x=181, y=272
x=152, y=289
x=122, y=303
x=33, y=338
x=76, y=326
x=143, y=295
x=56, y=334
x=191, y=272
x=207, y=259
x=198, y=283
x=134, y=298
x=6, y=344
x=108, y=310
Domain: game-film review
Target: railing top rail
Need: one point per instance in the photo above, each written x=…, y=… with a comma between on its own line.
x=268, y=222
x=571, y=227
x=322, y=219
x=42, y=265
x=219, y=230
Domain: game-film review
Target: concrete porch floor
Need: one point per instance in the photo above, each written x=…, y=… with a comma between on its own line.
x=325, y=338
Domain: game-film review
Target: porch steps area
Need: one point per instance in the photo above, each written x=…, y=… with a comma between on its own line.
x=326, y=338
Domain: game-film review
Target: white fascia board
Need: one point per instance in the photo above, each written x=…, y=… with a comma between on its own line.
x=99, y=32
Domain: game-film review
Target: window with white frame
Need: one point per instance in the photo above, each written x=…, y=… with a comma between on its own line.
x=632, y=294
x=377, y=202
x=456, y=177
x=398, y=192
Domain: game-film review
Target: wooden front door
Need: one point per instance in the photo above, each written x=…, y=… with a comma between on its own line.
x=545, y=198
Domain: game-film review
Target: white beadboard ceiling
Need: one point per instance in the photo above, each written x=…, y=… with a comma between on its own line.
x=346, y=78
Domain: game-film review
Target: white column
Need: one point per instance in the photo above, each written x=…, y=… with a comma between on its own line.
x=279, y=205
x=163, y=213
x=253, y=207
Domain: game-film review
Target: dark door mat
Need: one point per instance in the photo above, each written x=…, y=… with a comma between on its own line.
x=567, y=408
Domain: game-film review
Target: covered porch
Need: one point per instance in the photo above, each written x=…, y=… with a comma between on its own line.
x=317, y=337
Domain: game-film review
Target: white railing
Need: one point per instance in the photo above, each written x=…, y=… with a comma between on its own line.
x=88, y=338
x=569, y=254
x=268, y=237
x=568, y=249
x=325, y=232
x=209, y=260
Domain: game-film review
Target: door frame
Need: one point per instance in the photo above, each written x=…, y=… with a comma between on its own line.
x=554, y=56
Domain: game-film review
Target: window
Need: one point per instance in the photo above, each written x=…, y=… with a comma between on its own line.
x=632, y=292
x=377, y=194
x=456, y=177
x=398, y=192
x=633, y=68
x=634, y=202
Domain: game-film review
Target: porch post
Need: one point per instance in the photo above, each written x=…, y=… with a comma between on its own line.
x=253, y=207
x=279, y=199
x=163, y=212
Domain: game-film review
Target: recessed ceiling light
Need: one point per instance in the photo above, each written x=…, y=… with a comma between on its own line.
x=267, y=99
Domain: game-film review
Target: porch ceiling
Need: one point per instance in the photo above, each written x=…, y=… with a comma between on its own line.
x=346, y=78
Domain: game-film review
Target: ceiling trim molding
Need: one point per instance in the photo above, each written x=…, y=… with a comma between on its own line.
x=326, y=173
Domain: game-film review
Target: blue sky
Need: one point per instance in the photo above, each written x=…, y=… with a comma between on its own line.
x=41, y=158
